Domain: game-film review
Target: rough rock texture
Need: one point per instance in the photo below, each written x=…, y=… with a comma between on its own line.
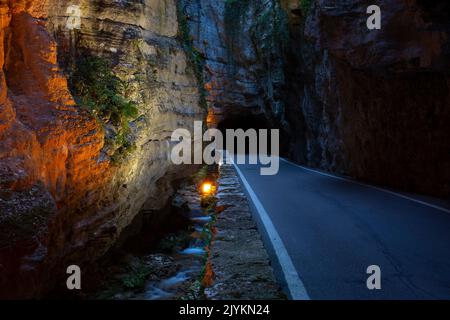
x=373, y=104
x=369, y=104
x=62, y=200
x=242, y=45
x=239, y=261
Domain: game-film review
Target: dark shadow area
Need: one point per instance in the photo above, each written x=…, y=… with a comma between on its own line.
x=247, y=122
x=436, y=12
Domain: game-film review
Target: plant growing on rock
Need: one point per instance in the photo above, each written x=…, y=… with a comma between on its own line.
x=196, y=58
x=305, y=6
x=269, y=32
x=102, y=93
x=137, y=272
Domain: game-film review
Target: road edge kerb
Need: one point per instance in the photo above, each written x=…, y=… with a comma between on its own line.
x=286, y=272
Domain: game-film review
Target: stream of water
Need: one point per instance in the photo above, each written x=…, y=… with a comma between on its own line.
x=191, y=259
x=174, y=268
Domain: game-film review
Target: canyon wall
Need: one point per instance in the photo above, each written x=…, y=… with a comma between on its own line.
x=370, y=104
x=62, y=198
x=241, y=43
x=374, y=105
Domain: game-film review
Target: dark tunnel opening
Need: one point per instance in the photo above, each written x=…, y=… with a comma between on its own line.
x=256, y=122
x=244, y=122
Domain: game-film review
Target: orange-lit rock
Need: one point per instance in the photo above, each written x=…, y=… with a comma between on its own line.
x=61, y=199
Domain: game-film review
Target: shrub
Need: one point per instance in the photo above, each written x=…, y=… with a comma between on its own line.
x=136, y=274
x=196, y=58
x=235, y=11
x=305, y=6
x=101, y=92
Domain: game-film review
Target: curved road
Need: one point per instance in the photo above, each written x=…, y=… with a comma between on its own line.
x=333, y=229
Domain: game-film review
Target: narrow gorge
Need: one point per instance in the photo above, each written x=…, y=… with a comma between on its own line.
x=87, y=111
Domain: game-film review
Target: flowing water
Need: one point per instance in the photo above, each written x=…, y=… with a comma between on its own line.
x=175, y=268
x=171, y=287
x=191, y=259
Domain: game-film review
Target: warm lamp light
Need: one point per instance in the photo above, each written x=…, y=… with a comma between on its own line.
x=207, y=188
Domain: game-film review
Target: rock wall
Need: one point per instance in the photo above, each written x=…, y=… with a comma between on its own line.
x=242, y=45
x=369, y=104
x=62, y=199
x=373, y=104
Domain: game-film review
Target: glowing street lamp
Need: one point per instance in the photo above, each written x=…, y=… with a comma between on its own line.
x=207, y=188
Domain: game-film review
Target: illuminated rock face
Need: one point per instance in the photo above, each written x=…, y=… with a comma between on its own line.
x=62, y=200
x=373, y=105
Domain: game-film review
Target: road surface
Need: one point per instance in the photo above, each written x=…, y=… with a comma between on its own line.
x=332, y=229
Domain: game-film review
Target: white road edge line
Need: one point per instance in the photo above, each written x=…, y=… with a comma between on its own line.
x=370, y=186
x=295, y=285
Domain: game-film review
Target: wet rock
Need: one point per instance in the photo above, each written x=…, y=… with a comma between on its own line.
x=172, y=270
x=162, y=266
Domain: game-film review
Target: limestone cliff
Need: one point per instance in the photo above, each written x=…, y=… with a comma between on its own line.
x=62, y=199
x=373, y=104
x=242, y=43
x=368, y=104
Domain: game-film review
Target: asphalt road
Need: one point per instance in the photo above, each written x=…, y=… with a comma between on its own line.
x=333, y=229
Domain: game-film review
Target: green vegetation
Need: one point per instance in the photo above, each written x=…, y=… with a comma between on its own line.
x=137, y=272
x=102, y=93
x=195, y=292
x=196, y=58
x=197, y=289
x=175, y=242
x=130, y=276
x=209, y=202
x=201, y=175
x=235, y=11
x=270, y=32
x=305, y=6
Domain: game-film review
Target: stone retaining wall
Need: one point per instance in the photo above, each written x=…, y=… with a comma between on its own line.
x=238, y=258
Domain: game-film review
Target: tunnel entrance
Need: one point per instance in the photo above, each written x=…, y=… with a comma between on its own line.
x=246, y=123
